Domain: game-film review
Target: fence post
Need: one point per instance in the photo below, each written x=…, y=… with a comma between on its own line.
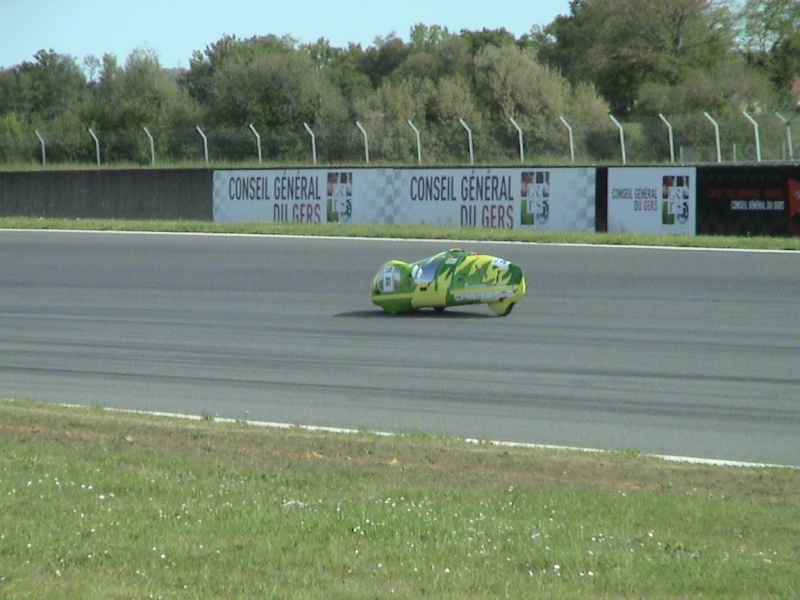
x=366, y=141
x=96, y=144
x=469, y=135
x=758, y=139
x=788, y=124
x=258, y=141
x=313, y=143
x=41, y=142
x=419, y=144
x=519, y=135
x=152, y=146
x=621, y=138
x=716, y=133
x=571, y=139
x=205, y=141
x=671, y=139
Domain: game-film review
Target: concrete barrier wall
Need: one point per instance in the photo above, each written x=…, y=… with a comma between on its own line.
x=159, y=194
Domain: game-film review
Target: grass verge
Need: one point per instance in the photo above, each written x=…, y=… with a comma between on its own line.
x=408, y=231
x=99, y=504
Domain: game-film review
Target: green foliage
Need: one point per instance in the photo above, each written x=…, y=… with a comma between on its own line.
x=771, y=39
x=125, y=100
x=15, y=138
x=68, y=140
x=270, y=89
x=380, y=61
x=143, y=92
x=621, y=45
x=733, y=85
x=434, y=53
x=343, y=70
x=45, y=88
x=637, y=58
x=478, y=40
x=266, y=82
x=387, y=111
x=511, y=83
x=226, y=51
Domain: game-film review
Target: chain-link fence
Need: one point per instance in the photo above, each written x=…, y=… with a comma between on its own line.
x=687, y=139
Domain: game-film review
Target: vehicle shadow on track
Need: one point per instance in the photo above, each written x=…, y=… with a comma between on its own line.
x=417, y=314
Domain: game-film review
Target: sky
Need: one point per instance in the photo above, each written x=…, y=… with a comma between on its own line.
x=174, y=29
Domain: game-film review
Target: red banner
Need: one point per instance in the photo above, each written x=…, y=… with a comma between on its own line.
x=794, y=207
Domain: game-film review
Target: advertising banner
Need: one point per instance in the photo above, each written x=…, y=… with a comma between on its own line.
x=460, y=197
x=558, y=199
x=273, y=195
x=658, y=200
x=561, y=199
x=747, y=200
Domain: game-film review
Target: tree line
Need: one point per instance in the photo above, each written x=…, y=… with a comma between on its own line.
x=635, y=59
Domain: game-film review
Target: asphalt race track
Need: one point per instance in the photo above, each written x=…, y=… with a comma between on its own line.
x=679, y=352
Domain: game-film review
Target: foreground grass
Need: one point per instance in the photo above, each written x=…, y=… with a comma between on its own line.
x=408, y=231
x=99, y=504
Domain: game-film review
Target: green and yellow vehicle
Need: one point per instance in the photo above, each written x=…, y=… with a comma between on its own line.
x=455, y=277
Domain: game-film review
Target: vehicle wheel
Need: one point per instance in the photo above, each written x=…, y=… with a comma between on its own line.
x=438, y=309
x=501, y=309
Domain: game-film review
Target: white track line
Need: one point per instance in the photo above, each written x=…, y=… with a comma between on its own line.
x=472, y=441
x=415, y=240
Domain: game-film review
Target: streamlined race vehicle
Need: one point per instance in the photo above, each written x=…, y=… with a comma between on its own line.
x=452, y=278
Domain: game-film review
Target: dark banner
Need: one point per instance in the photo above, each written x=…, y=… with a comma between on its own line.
x=748, y=200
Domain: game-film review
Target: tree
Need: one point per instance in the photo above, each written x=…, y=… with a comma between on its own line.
x=123, y=100
x=380, y=60
x=41, y=94
x=137, y=95
x=14, y=132
x=385, y=113
x=272, y=89
x=342, y=67
x=619, y=45
x=103, y=90
x=434, y=53
x=771, y=39
x=226, y=51
x=732, y=86
x=478, y=40
x=511, y=83
x=42, y=89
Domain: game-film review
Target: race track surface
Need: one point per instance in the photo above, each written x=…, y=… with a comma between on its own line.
x=689, y=353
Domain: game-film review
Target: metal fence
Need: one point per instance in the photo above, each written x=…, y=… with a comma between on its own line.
x=686, y=139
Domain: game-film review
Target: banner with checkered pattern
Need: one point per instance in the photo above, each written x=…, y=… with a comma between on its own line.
x=557, y=199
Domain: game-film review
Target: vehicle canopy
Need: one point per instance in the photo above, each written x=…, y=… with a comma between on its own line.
x=454, y=277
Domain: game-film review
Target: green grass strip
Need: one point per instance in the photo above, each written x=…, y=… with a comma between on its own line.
x=99, y=504
x=421, y=231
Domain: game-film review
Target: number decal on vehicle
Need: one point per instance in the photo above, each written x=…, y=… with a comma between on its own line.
x=388, y=279
x=499, y=263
